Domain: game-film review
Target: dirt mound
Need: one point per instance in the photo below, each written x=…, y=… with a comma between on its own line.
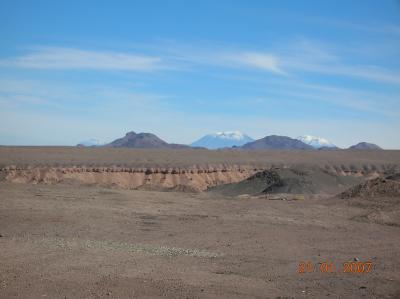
x=300, y=180
x=252, y=185
x=394, y=177
x=387, y=187
x=379, y=198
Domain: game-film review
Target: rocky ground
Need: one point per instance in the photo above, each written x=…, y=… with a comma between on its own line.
x=78, y=223
x=60, y=241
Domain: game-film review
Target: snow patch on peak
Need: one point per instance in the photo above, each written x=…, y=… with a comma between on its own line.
x=316, y=142
x=230, y=135
x=223, y=139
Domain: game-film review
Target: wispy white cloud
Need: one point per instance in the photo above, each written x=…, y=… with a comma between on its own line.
x=372, y=27
x=358, y=100
x=288, y=58
x=287, y=89
x=48, y=112
x=315, y=57
x=301, y=56
x=191, y=56
x=74, y=59
x=78, y=100
x=256, y=60
x=366, y=72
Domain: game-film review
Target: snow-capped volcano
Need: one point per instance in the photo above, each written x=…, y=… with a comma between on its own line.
x=316, y=142
x=236, y=135
x=223, y=139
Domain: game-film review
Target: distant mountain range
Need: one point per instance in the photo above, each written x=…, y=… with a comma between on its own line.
x=277, y=142
x=365, y=146
x=222, y=140
x=144, y=140
x=230, y=139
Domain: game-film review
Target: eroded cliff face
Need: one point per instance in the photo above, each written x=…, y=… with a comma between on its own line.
x=128, y=178
x=189, y=179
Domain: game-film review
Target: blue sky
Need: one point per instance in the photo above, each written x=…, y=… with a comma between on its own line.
x=74, y=70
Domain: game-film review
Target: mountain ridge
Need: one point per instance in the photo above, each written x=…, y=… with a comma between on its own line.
x=144, y=140
x=365, y=146
x=227, y=140
x=277, y=142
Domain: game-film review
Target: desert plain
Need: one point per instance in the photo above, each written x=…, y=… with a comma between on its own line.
x=129, y=223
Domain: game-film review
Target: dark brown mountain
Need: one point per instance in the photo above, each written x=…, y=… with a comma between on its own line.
x=277, y=142
x=143, y=140
x=365, y=146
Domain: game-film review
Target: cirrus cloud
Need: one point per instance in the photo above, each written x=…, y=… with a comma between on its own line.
x=262, y=61
x=75, y=59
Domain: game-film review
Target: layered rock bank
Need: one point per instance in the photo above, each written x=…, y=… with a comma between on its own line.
x=129, y=178
x=191, y=170
x=180, y=179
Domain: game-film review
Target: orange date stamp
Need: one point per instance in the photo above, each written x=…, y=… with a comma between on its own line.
x=330, y=267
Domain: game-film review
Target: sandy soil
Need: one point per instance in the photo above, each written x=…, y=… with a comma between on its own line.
x=60, y=241
x=60, y=238
x=170, y=159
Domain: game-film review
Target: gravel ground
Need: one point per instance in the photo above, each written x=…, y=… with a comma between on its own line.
x=60, y=241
